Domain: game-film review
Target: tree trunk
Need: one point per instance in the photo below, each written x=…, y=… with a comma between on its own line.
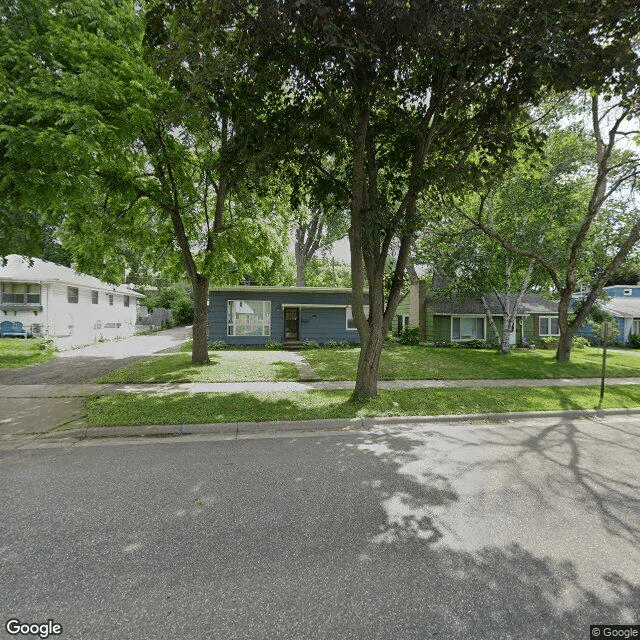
x=489, y=315
x=200, y=352
x=369, y=365
x=300, y=281
x=563, y=352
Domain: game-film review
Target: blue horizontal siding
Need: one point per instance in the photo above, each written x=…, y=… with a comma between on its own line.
x=617, y=291
x=586, y=331
x=316, y=323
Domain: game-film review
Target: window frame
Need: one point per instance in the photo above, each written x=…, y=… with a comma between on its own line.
x=71, y=297
x=31, y=293
x=627, y=291
x=461, y=317
x=110, y=299
x=95, y=297
x=349, y=312
x=264, y=324
x=126, y=301
x=548, y=334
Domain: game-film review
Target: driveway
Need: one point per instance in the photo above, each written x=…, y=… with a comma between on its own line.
x=520, y=531
x=87, y=363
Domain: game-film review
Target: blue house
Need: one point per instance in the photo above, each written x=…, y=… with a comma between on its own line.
x=252, y=315
x=624, y=306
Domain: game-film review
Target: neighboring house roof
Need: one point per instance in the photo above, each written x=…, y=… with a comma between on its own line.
x=529, y=304
x=623, y=307
x=22, y=269
x=253, y=288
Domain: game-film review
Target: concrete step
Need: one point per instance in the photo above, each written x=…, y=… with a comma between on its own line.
x=292, y=345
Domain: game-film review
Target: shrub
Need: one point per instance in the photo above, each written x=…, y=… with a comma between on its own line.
x=634, y=340
x=478, y=344
x=579, y=342
x=549, y=343
x=176, y=297
x=410, y=336
x=47, y=344
x=310, y=344
x=331, y=344
x=218, y=345
x=346, y=344
x=273, y=345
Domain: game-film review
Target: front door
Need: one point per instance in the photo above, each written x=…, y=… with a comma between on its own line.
x=291, y=323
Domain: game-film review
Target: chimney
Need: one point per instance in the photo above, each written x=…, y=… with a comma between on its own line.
x=417, y=307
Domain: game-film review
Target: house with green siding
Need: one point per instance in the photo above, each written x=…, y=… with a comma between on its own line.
x=452, y=318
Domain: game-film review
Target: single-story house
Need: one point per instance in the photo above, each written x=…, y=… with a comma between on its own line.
x=456, y=319
x=624, y=306
x=52, y=300
x=252, y=315
x=402, y=316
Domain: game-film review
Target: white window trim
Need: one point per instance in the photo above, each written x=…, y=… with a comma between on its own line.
x=468, y=315
x=627, y=292
x=266, y=324
x=29, y=296
x=635, y=324
x=349, y=312
x=547, y=335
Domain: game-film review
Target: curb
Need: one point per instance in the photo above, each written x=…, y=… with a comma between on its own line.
x=238, y=429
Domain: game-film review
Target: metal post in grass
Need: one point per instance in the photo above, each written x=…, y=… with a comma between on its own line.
x=606, y=326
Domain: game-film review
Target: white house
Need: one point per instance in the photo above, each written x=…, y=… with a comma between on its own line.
x=57, y=301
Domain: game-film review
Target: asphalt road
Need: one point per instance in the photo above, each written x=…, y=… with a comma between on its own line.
x=524, y=531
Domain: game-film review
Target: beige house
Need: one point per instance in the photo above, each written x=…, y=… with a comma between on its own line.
x=56, y=301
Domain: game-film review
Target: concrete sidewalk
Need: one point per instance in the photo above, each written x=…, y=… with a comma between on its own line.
x=55, y=412
x=84, y=390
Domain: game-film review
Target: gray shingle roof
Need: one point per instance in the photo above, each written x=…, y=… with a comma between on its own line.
x=454, y=304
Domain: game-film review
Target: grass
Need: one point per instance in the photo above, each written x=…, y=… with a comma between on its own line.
x=430, y=363
x=17, y=352
x=185, y=408
x=225, y=366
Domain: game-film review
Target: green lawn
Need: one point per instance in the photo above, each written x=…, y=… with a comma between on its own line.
x=186, y=408
x=17, y=352
x=225, y=366
x=430, y=363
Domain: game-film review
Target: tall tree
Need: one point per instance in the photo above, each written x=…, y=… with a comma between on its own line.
x=424, y=95
x=108, y=146
x=477, y=267
x=600, y=224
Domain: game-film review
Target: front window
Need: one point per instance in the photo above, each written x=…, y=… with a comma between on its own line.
x=94, y=297
x=635, y=327
x=351, y=323
x=72, y=295
x=126, y=301
x=20, y=293
x=110, y=297
x=467, y=328
x=249, y=318
x=549, y=326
